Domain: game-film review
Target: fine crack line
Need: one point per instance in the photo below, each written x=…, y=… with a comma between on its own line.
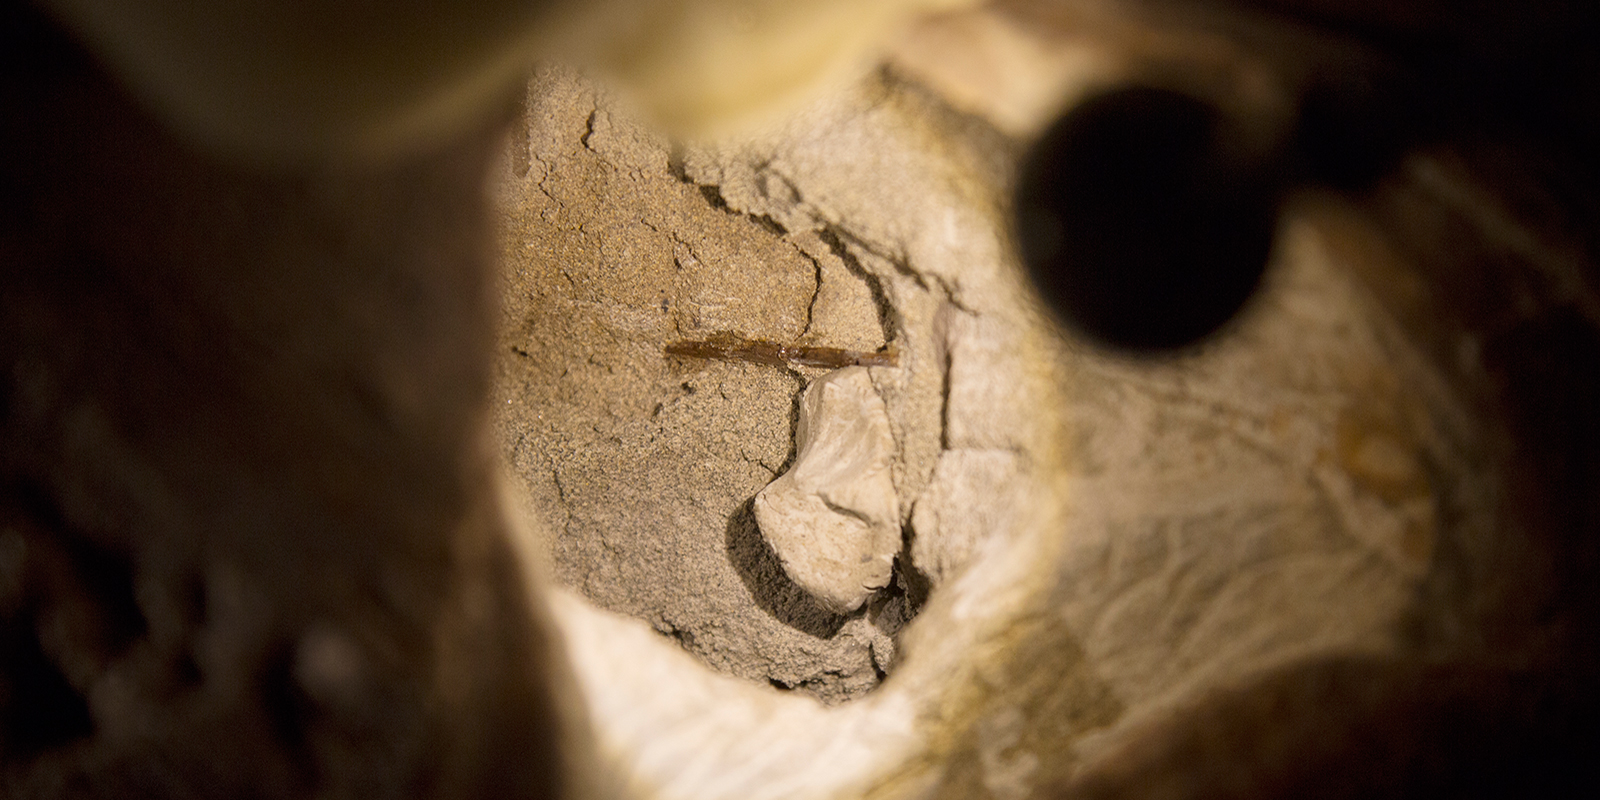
x=844, y=511
x=712, y=194
x=588, y=131
x=561, y=488
x=686, y=246
x=944, y=391
x=952, y=296
x=816, y=290
x=564, y=503
x=888, y=316
x=899, y=261
x=545, y=170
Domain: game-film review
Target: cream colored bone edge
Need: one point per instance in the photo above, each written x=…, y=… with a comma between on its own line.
x=303, y=80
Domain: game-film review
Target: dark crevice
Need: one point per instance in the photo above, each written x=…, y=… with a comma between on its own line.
x=947, y=359
x=890, y=608
x=898, y=261
x=62, y=578
x=588, y=131
x=821, y=681
x=914, y=582
x=772, y=225
x=104, y=573
x=39, y=708
x=685, y=639
x=712, y=193
x=108, y=577
x=772, y=589
x=816, y=290
x=289, y=711
x=888, y=318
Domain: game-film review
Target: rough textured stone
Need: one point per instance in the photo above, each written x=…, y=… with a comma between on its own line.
x=833, y=519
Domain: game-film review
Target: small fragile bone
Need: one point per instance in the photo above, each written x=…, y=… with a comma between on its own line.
x=833, y=518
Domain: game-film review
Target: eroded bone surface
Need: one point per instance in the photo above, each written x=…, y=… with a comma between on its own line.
x=833, y=518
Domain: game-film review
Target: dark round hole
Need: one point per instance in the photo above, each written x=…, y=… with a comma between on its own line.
x=1143, y=220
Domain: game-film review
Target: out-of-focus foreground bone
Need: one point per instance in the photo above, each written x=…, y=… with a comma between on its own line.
x=308, y=80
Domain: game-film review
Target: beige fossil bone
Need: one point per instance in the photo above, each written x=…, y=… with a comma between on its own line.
x=833, y=518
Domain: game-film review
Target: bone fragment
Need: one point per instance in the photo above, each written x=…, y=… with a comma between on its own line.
x=833, y=518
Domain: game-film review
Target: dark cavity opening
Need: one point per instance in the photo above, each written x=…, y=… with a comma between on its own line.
x=1144, y=219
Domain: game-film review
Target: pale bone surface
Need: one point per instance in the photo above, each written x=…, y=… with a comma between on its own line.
x=833, y=519
x=1097, y=539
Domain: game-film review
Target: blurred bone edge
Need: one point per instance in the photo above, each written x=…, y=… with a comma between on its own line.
x=274, y=569
x=298, y=82
x=833, y=518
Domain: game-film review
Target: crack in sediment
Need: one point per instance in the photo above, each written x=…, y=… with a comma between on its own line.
x=816, y=289
x=838, y=239
x=712, y=194
x=899, y=261
x=565, y=504
x=888, y=316
x=794, y=419
x=948, y=359
x=588, y=131
x=544, y=190
x=684, y=638
x=687, y=246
